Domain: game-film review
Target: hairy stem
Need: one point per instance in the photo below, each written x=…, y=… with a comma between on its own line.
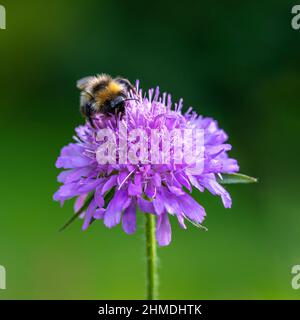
x=151, y=256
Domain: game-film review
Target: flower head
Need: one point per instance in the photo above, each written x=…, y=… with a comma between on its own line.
x=149, y=159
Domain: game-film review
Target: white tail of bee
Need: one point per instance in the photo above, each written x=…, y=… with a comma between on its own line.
x=2, y=17
x=2, y=278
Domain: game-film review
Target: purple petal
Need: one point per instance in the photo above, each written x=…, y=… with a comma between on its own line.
x=73, y=162
x=74, y=174
x=176, y=191
x=191, y=208
x=150, y=190
x=170, y=201
x=158, y=204
x=182, y=179
x=80, y=202
x=111, y=182
x=89, y=214
x=123, y=175
x=66, y=191
x=99, y=213
x=180, y=219
x=157, y=180
x=215, y=150
x=230, y=166
x=115, y=207
x=146, y=206
x=134, y=189
x=88, y=185
x=72, y=157
x=72, y=149
x=64, y=175
x=163, y=230
x=195, y=183
x=129, y=218
x=138, y=179
x=215, y=188
x=99, y=197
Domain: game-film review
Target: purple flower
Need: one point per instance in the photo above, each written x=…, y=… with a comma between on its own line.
x=150, y=176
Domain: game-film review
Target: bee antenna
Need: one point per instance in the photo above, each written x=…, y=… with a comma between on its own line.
x=129, y=99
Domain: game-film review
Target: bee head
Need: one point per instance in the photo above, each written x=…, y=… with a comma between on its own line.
x=115, y=105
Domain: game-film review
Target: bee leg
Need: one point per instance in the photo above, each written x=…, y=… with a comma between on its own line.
x=88, y=113
x=90, y=120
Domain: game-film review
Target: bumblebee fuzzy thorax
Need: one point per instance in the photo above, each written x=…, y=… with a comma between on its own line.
x=108, y=92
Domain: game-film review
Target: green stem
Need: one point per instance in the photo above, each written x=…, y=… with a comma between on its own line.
x=151, y=256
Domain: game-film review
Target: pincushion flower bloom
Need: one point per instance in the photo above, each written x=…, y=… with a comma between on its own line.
x=112, y=191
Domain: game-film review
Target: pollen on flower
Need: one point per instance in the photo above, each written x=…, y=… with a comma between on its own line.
x=111, y=175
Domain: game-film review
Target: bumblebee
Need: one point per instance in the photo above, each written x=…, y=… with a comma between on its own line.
x=103, y=94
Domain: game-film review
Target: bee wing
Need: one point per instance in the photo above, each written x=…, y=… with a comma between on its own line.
x=82, y=83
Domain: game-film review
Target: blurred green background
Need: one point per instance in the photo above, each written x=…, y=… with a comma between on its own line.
x=236, y=61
